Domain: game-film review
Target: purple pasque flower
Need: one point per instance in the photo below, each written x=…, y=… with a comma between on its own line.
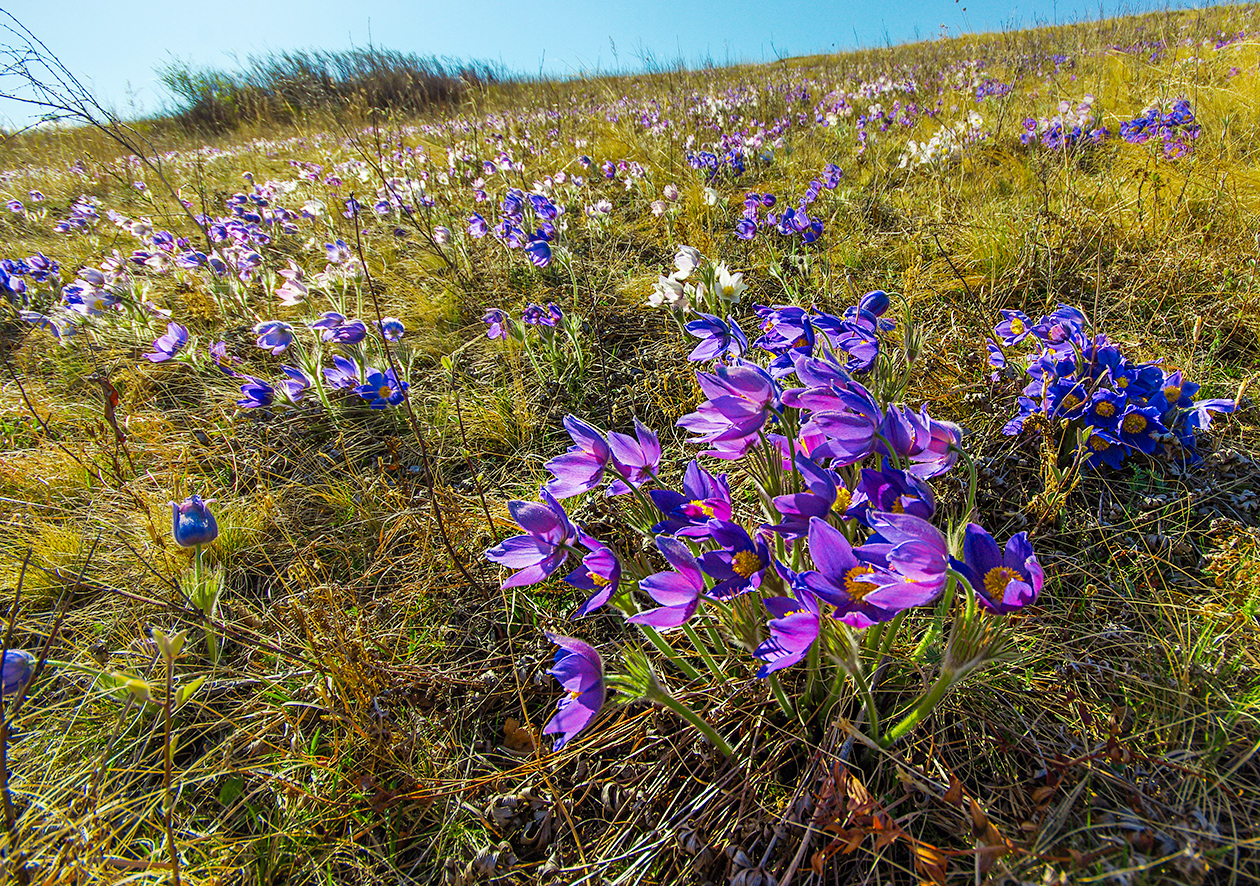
x=349, y=333
x=391, y=328
x=1105, y=448
x=498, y=324
x=704, y=497
x=718, y=338
x=637, y=459
x=549, y=536
x=894, y=492
x=477, y=226
x=824, y=493
x=382, y=388
x=580, y=671
x=257, y=393
x=916, y=557
x=846, y=413
x=535, y=315
x=539, y=252
x=1003, y=582
x=795, y=627
x=1138, y=426
x=901, y=430
x=274, y=335
x=600, y=574
x=165, y=347
x=938, y=451
x=742, y=397
x=16, y=672
x=739, y=563
x=192, y=523
x=677, y=591
x=1014, y=328
x=296, y=385
x=875, y=303
x=581, y=467
x=344, y=375
x=844, y=577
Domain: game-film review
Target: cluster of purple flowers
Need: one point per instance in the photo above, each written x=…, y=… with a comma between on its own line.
x=792, y=221
x=514, y=224
x=1175, y=130
x=852, y=499
x=1119, y=405
x=38, y=267
x=1071, y=127
x=731, y=164
x=83, y=216
x=499, y=325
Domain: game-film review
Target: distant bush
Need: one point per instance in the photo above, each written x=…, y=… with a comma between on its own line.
x=281, y=87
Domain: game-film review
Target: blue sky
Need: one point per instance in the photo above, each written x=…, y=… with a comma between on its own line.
x=114, y=46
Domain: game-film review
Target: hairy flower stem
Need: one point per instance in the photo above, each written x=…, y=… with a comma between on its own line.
x=668, y=651
x=205, y=604
x=703, y=649
x=942, y=685
x=668, y=701
x=785, y=704
x=868, y=700
x=168, y=754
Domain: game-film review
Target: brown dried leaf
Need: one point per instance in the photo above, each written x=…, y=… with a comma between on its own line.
x=954, y=795
x=930, y=863
x=516, y=738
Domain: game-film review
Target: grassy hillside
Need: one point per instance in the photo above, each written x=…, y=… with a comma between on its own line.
x=361, y=693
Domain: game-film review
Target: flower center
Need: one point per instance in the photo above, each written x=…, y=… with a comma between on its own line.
x=1099, y=444
x=1172, y=394
x=996, y=580
x=843, y=499
x=1134, y=423
x=598, y=580
x=854, y=587
x=1122, y=383
x=703, y=508
x=1017, y=326
x=1070, y=402
x=898, y=507
x=745, y=563
x=1105, y=408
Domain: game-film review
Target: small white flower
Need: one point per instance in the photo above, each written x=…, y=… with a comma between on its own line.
x=687, y=260
x=671, y=193
x=659, y=207
x=710, y=197
x=730, y=287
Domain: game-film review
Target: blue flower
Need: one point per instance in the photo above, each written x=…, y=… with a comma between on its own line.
x=274, y=335
x=257, y=393
x=382, y=389
x=192, y=523
x=18, y=667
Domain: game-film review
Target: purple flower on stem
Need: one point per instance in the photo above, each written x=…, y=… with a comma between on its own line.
x=539, y=252
x=18, y=667
x=382, y=389
x=580, y=670
x=549, y=535
x=718, y=337
x=600, y=573
x=894, y=492
x=636, y=460
x=1003, y=582
x=192, y=523
x=167, y=346
x=794, y=628
x=581, y=468
x=843, y=578
x=296, y=385
x=349, y=333
x=258, y=393
x=740, y=562
x=391, y=328
x=704, y=498
x=917, y=559
x=824, y=494
x=274, y=336
x=344, y=374
x=497, y=323
x=477, y=226
x=677, y=591
x=741, y=399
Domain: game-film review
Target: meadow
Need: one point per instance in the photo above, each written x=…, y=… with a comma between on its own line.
x=836, y=470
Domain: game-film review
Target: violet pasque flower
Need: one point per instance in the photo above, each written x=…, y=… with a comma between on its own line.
x=18, y=667
x=636, y=459
x=843, y=577
x=739, y=563
x=296, y=385
x=600, y=573
x=545, y=545
x=344, y=374
x=677, y=591
x=257, y=393
x=382, y=389
x=167, y=346
x=916, y=556
x=274, y=335
x=742, y=398
x=497, y=324
x=580, y=670
x=192, y=523
x=581, y=468
x=391, y=328
x=794, y=628
x=718, y=338
x=1003, y=582
x=704, y=497
x=824, y=494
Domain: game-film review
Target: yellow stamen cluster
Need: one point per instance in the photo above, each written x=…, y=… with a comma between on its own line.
x=1122, y=383
x=1134, y=423
x=1104, y=408
x=1070, y=402
x=745, y=563
x=598, y=580
x=707, y=510
x=844, y=498
x=855, y=588
x=384, y=392
x=1172, y=394
x=996, y=580
x=1098, y=444
x=1017, y=326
